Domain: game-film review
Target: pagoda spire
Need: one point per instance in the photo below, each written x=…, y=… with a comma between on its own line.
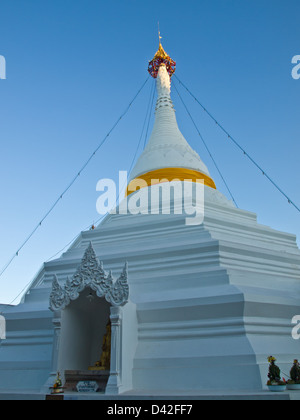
x=168, y=155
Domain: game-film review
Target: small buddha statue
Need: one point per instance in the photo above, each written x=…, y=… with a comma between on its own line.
x=104, y=362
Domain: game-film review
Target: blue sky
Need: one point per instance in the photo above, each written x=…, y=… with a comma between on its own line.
x=73, y=66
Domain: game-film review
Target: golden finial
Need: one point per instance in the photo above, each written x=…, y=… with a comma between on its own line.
x=161, y=57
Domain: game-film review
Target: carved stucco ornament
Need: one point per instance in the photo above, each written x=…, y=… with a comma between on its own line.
x=90, y=274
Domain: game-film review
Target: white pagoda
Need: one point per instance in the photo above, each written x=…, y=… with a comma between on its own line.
x=195, y=306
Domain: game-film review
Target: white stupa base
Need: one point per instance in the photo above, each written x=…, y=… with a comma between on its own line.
x=209, y=304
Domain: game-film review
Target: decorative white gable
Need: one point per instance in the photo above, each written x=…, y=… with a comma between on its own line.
x=90, y=274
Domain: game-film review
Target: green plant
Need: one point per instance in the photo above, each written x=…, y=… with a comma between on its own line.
x=295, y=373
x=274, y=374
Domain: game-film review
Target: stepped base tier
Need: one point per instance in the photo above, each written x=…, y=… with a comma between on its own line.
x=207, y=305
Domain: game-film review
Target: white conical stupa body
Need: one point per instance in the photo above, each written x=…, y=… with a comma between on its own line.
x=167, y=147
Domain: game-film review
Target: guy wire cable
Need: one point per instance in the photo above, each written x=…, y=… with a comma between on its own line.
x=240, y=147
x=205, y=144
x=73, y=181
x=103, y=216
x=146, y=135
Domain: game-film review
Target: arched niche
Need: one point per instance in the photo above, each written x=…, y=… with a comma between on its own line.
x=83, y=326
x=82, y=306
